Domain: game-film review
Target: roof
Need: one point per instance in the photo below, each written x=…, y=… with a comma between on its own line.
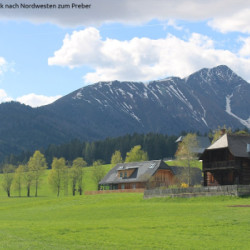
x=237, y=144
x=143, y=171
x=203, y=143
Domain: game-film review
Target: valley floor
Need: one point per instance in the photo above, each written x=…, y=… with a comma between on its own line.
x=124, y=221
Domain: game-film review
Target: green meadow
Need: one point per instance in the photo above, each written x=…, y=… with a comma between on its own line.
x=122, y=221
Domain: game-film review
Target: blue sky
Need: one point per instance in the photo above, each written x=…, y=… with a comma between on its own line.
x=48, y=53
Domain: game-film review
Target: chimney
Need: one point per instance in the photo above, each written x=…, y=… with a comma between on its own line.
x=248, y=148
x=222, y=131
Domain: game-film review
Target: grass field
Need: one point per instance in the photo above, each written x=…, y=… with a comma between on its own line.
x=122, y=221
x=195, y=163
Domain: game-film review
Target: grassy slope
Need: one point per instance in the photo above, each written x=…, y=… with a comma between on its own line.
x=122, y=221
x=197, y=164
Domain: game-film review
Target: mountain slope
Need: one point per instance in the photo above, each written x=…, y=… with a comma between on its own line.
x=202, y=101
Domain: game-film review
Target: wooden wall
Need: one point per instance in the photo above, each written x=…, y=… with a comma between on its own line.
x=245, y=172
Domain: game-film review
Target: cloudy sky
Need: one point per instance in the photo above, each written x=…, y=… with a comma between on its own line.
x=49, y=52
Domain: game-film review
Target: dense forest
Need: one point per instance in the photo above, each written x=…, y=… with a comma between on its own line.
x=158, y=146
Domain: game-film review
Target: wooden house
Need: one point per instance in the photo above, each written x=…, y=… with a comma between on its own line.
x=135, y=175
x=227, y=161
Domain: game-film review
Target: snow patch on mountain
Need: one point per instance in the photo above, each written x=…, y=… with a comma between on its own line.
x=229, y=111
x=180, y=96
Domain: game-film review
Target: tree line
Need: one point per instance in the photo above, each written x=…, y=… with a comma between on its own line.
x=63, y=175
x=157, y=146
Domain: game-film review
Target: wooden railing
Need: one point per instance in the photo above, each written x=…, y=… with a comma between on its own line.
x=220, y=165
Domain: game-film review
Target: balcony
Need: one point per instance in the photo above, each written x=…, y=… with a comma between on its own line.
x=220, y=165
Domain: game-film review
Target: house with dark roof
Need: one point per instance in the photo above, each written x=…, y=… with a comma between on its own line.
x=227, y=161
x=147, y=174
x=202, y=141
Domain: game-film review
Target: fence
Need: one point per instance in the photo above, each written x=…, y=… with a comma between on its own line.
x=115, y=191
x=230, y=190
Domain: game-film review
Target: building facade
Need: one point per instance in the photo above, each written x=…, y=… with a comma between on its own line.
x=227, y=161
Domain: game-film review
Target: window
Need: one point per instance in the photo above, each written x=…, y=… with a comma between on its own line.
x=121, y=175
x=125, y=175
x=123, y=186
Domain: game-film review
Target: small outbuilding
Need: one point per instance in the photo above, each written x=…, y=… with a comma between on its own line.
x=227, y=161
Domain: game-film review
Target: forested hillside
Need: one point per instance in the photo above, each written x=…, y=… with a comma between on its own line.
x=158, y=146
x=202, y=101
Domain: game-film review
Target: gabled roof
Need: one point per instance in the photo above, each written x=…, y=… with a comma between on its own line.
x=237, y=144
x=203, y=143
x=143, y=171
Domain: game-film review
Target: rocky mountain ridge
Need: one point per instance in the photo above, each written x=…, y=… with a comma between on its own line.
x=200, y=102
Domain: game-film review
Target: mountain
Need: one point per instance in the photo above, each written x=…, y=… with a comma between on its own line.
x=202, y=101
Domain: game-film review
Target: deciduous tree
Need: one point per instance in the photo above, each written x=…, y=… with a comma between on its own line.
x=76, y=174
x=219, y=132
x=28, y=178
x=8, y=174
x=57, y=175
x=37, y=165
x=98, y=171
x=187, y=151
x=116, y=157
x=136, y=154
x=18, y=179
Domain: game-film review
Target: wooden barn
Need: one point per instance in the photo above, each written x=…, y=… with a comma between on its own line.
x=135, y=175
x=227, y=161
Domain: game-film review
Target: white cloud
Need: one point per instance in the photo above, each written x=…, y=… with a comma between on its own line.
x=245, y=49
x=3, y=65
x=34, y=100
x=239, y=21
x=225, y=15
x=143, y=59
x=4, y=97
x=173, y=23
